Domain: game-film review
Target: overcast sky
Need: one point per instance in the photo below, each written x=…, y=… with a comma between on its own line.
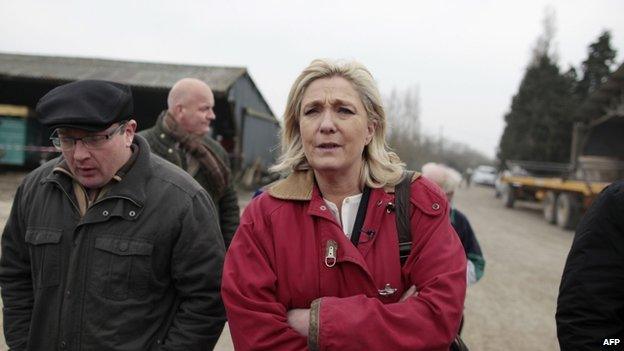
x=466, y=57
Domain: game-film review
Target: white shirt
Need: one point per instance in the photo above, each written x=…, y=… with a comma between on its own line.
x=349, y=210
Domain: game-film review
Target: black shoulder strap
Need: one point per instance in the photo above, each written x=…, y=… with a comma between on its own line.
x=402, y=196
x=359, y=217
x=402, y=200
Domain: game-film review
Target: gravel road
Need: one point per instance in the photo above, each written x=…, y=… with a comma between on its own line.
x=513, y=306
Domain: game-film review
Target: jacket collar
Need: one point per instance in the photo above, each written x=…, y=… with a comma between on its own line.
x=161, y=134
x=299, y=185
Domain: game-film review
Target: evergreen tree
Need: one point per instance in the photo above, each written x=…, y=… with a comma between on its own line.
x=539, y=124
x=597, y=67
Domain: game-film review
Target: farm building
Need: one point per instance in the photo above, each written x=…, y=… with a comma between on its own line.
x=245, y=124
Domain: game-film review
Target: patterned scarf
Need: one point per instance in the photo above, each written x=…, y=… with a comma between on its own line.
x=193, y=145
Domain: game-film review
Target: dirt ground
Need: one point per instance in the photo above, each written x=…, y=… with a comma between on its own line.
x=513, y=306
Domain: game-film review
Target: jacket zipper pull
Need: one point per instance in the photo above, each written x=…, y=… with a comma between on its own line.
x=387, y=290
x=330, y=253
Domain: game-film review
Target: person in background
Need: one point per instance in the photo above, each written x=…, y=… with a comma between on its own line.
x=449, y=180
x=108, y=247
x=181, y=136
x=590, y=307
x=468, y=176
x=315, y=263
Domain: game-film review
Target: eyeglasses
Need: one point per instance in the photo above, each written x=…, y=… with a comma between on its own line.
x=90, y=141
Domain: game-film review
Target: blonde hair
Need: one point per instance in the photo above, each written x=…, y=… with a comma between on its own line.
x=382, y=166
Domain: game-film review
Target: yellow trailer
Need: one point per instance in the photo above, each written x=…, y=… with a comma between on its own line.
x=563, y=200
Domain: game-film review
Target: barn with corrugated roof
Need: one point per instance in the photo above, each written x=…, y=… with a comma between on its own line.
x=245, y=124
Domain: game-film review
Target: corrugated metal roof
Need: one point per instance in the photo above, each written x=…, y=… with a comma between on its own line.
x=144, y=74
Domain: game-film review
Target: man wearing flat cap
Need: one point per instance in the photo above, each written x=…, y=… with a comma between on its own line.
x=109, y=247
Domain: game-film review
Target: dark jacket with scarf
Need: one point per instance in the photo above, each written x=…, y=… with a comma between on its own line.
x=590, y=307
x=141, y=270
x=225, y=200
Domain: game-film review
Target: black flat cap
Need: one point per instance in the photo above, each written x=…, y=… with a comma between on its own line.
x=91, y=105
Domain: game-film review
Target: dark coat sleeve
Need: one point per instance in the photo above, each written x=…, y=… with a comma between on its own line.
x=469, y=241
x=229, y=212
x=16, y=279
x=196, y=266
x=590, y=307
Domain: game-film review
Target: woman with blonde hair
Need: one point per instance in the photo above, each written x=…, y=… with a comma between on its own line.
x=315, y=261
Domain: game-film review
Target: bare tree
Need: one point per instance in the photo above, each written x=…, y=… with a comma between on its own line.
x=403, y=113
x=416, y=148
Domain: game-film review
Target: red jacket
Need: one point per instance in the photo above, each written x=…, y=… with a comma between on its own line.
x=278, y=261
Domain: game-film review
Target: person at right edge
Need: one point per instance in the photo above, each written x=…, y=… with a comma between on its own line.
x=590, y=307
x=300, y=275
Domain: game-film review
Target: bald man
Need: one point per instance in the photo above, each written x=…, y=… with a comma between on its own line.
x=181, y=136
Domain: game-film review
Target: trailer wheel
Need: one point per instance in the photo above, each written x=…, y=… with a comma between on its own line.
x=508, y=196
x=549, y=207
x=568, y=210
